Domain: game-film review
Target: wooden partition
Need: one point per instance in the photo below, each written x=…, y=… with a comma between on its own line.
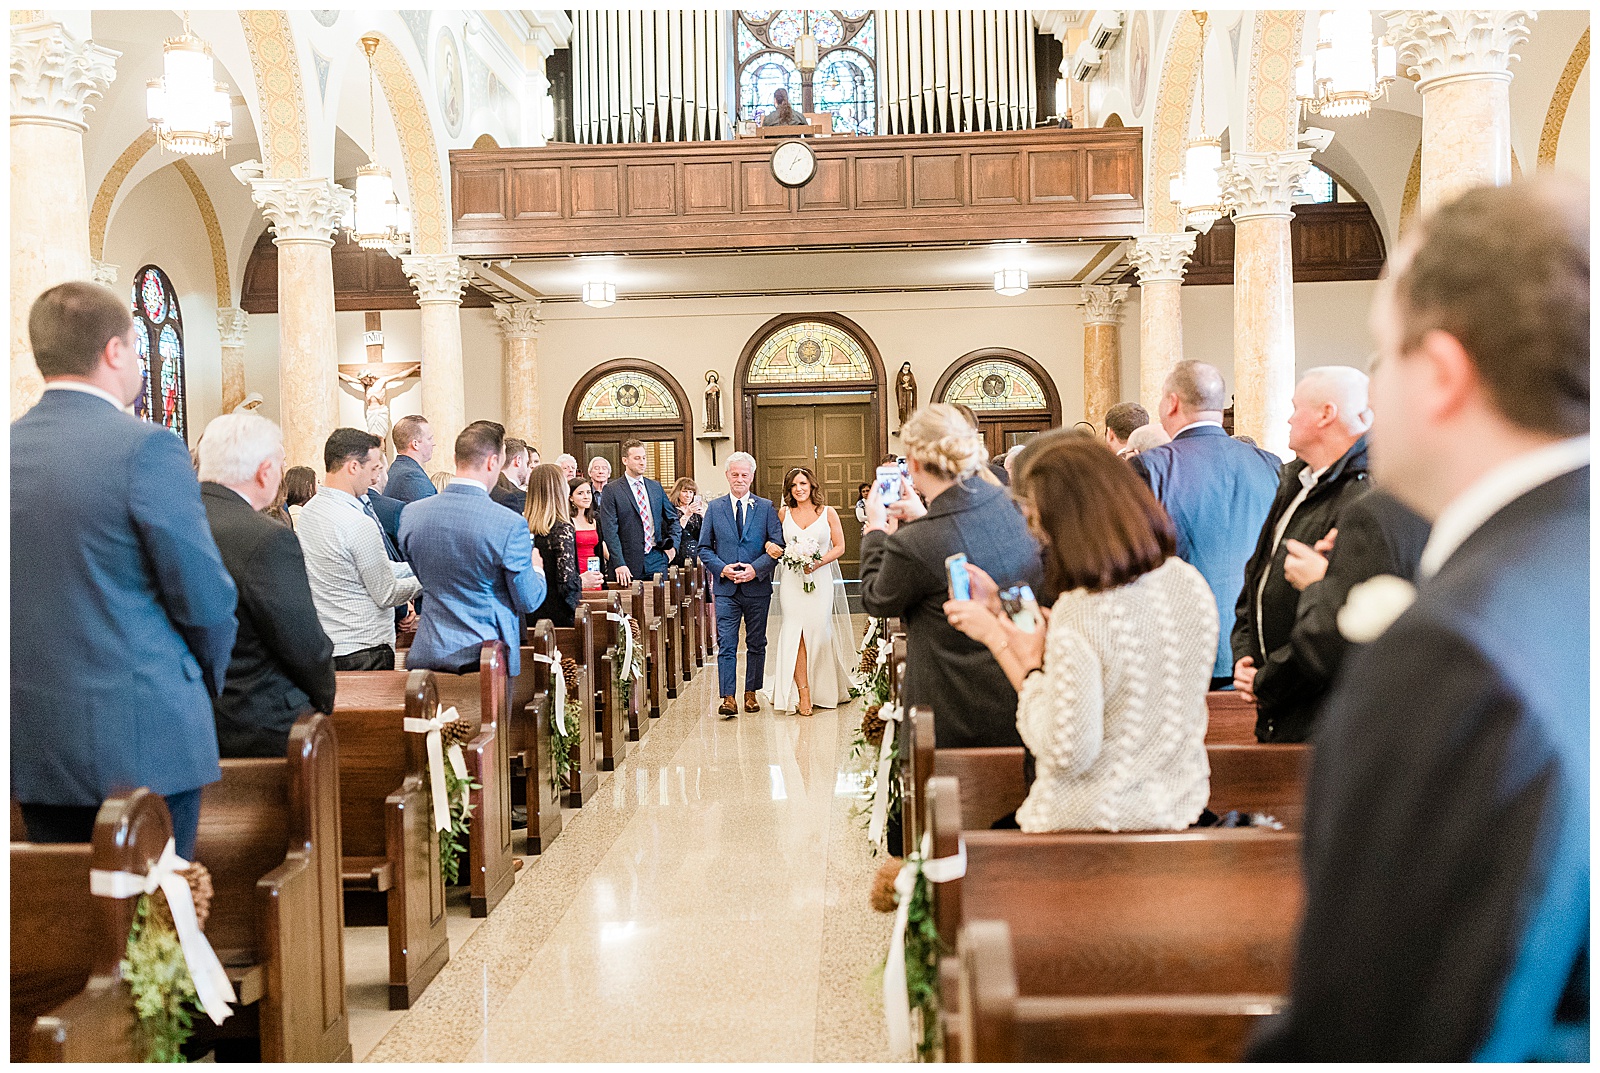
x=529, y=745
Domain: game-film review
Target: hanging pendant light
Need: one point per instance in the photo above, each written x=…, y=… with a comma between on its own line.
x=1197, y=189
x=1011, y=282
x=188, y=109
x=805, y=46
x=1347, y=72
x=377, y=220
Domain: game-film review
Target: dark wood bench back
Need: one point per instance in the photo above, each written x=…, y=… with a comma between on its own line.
x=376, y=753
x=1231, y=720
x=481, y=700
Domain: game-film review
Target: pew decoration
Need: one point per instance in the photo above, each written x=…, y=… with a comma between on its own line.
x=627, y=662
x=886, y=795
x=458, y=787
x=873, y=670
x=911, y=971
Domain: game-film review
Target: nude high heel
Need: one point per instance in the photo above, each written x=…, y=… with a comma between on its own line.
x=805, y=700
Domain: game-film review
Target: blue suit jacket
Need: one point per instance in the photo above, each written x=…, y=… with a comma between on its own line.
x=1218, y=492
x=721, y=543
x=622, y=530
x=122, y=614
x=407, y=481
x=475, y=561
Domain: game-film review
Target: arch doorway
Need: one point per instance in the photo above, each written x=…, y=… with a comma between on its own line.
x=1011, y=393
x=811, y=391
x=624, y=399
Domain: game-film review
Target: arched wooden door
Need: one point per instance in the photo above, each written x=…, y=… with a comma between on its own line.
x=1011, y=393
x=629, y=398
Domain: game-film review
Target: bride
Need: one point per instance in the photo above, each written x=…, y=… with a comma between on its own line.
x=811, y=659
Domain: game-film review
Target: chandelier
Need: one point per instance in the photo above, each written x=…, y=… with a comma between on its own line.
x=1346, y=73
x=378, y=220
x=189, y=110
x=1197, y=189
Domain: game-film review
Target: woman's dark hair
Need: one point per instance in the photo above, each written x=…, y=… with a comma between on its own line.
x=817, y=499
x=299, y=485
x=1100, y=526
x=572, y=486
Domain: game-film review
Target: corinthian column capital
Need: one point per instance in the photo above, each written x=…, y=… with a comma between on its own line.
x=1262, y=184
x=103, y=273
x=301, y=210
x=55, y=78
x=519, y=320
x=1440, y=45
x=1103, y=304
x=1160, y=258
x=231, y=326
x=436, y=277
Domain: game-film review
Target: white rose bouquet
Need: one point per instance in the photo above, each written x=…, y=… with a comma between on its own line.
x=800, y=553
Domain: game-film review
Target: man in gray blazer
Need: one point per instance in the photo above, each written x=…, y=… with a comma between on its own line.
x=122, y=614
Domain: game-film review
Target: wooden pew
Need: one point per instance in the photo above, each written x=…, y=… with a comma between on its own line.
x=529, y=746
x=650, y=630
x=1231, y=719
x=999, y=1024
x=634, y=721
x=582, y=779
x=665, y=609
x=694, y=580
x=68, y=999
x=386, y=818
x=269, y=835
x=618, y=724
x=581, y=642
x=683, y=636
x=665, y=675
x=708, y=614
x=482, y=701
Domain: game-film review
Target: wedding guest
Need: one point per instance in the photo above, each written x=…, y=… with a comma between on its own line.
x=569, y=466
x=691, y=515
x=413, y=446
x=274, y=510
x=441, y=480
x=1143, y=438
x=586, y=530
x=299, y=485
x=995, y=470
x=1113, y=682
x=1121, y=421
x=553, y=538
x=599, y=474
x=861, y=500
x=511, y=490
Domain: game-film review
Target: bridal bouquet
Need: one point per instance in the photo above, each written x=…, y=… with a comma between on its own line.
x=801, y=552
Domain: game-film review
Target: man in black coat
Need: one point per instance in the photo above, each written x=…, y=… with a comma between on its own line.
x=1327, y=433
x=282, y=665
x=1447, y=812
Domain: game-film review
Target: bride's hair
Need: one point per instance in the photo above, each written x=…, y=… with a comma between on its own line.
x=788, y=488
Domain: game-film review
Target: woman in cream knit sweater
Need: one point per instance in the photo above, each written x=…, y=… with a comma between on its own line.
x=1113, y=693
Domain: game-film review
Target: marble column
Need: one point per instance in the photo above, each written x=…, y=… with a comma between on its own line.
x=305, y=213
x=1102, y=349
x=231, y=326
x=56, y=78
x=519, y=328
x=1258, y=187
x=1159, y=259
x=439, y=280
x=1461, y=62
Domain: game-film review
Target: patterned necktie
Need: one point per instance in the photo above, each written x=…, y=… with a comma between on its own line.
x=388, y=545
x=739, y=510
x=644, y=515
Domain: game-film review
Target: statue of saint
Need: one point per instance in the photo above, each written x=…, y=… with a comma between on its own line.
x=375, y=387
x=905, y=392
x=713, y=402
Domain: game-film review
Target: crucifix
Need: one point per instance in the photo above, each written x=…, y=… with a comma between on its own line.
x=377, y=378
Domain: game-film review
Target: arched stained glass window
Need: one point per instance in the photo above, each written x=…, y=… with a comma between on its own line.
x=628, y=396
x=810, y=351
x=626, y=399
x=158, y=331
x=997, y=385
x=845, y=83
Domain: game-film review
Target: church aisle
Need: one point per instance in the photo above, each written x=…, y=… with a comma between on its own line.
x=708, y=905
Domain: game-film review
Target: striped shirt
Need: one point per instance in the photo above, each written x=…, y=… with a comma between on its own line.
x=353, y=583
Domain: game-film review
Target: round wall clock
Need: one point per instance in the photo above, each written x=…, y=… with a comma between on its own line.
x=793, y=163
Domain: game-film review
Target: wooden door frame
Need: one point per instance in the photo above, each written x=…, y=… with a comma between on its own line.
x=681, y=431
x=1016, y=357
x=744, y=429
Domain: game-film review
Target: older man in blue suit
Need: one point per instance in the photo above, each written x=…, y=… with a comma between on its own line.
x=1217, y=489
x=475, y=560
x=122, y=613
x=733, y=541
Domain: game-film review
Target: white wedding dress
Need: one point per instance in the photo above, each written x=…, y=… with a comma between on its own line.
x=821, y=617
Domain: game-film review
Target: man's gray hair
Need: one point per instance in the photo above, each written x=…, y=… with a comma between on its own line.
x=1346, y=388
x=740, y=456
x=234, y=446
x=1199, y=387
x=567, y=458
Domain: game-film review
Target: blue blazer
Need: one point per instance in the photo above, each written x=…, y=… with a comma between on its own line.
x=407, y=481
x=722, y=543
x=622, y=530
x=1218, y=492
x=122, y=613
x=475, y=561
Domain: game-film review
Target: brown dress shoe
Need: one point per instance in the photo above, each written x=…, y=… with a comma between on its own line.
x=726, y=709
x=750, y=703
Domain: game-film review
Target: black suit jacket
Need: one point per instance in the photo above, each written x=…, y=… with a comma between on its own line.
x=282, y=660
x=1447, y=813
x=509, y=495
x=623, y=532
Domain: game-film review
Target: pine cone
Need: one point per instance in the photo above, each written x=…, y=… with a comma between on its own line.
x=882, y=895
x=457, y=732
x=872, y=727
x=200, y=890
x=869, y=658
x=572, y=673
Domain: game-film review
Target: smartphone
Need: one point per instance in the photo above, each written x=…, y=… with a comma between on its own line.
x=593, y=566
x=905, y=471
x=890, y=483
x=960, y=580
x=699, y=501
x=1019, y=604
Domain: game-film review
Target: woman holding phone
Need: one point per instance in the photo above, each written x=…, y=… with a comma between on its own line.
x=586, y=532
x=691, y=515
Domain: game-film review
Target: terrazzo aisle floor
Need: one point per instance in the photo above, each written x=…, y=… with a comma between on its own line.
x=708, y=905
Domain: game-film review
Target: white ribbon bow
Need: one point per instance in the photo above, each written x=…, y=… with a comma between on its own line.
x=436, y=755
x=211, y=984
x=559, y=674
x=896, y=999
x=627, y=643
x=890, y=714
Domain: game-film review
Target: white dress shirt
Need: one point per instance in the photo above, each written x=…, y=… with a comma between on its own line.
x=353, y=583
x=1308, y=480
x=469, y=480
x=1196, y=424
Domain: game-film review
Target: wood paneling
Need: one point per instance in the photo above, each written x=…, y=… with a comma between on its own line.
x=362, y=280
x=1339, y=241
x=889, y=189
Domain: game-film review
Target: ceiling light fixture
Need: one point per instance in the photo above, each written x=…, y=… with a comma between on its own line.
x=1011, y=282
x=189, y=110
x=599, y=294
x=1347, y=72
x=377, y=221
x=1197, y=189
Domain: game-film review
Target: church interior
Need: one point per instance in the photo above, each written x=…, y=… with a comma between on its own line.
x=577, y=224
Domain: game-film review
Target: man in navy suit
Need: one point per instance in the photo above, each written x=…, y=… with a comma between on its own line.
x=1447, y=812
x=638, y=524
x=1217, y=490
x=122, y=613
x=408, y=474
x=475, y=559
x=733, y=539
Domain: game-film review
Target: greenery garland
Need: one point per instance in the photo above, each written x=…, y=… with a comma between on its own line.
x=163, y=993
x=624, y=676
x=453, y=843
x=563, y=746
x=923, y=950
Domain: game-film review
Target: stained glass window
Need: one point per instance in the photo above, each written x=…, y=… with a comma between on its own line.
x=997, y=385
x=845, y=82
x=810, y=351
x=158, y=331
x=628, y=395
x=1316, y=188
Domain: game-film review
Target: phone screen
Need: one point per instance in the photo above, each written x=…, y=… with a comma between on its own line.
x=889, y=479
x=960, y=580
x=1020, y=606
